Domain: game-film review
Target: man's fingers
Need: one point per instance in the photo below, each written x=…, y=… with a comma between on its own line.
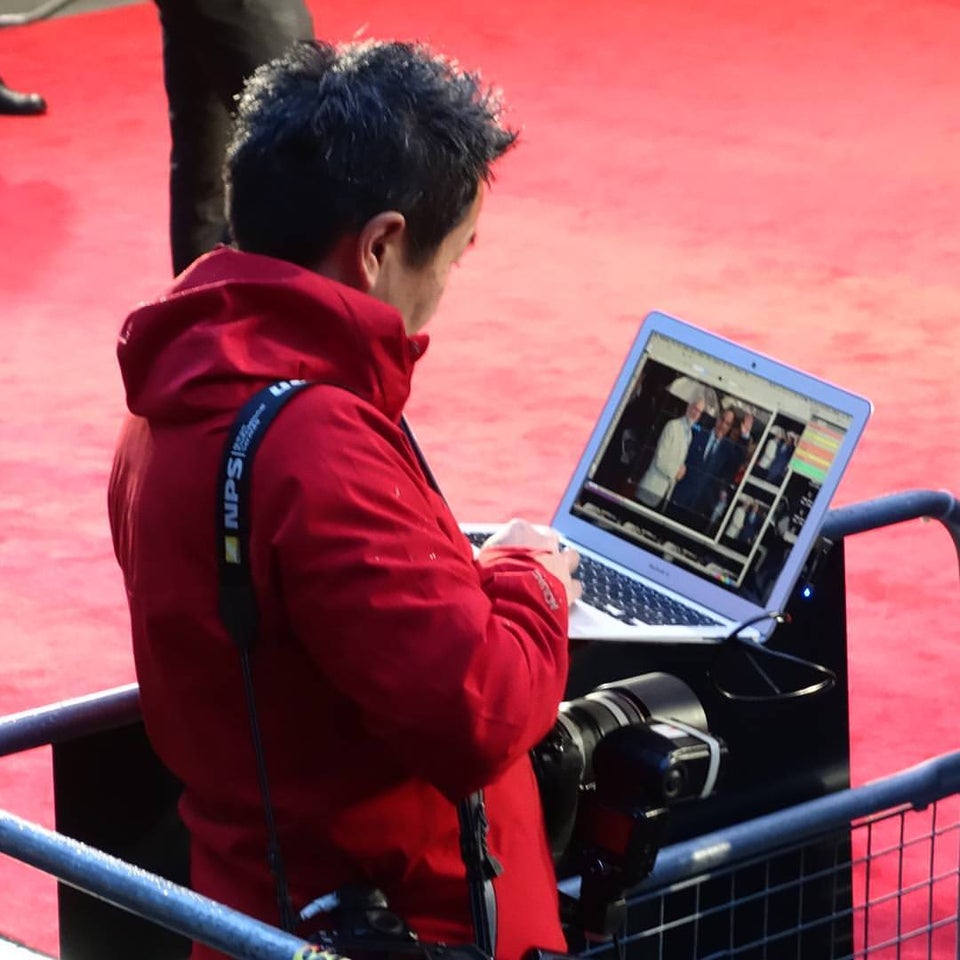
x=574, y=587
x=520, y=533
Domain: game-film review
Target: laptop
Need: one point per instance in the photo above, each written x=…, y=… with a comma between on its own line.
x=702, y=489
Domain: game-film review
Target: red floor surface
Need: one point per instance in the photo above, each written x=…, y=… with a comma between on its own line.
x=785, y=174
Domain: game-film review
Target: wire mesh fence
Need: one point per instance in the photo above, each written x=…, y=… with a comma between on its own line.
x=886, y=886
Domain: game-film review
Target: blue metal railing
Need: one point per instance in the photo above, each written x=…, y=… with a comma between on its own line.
x=147, y=895
x=895, y=508
x=69, y=719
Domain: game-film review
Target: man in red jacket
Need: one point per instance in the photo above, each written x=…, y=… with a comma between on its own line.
x=396, y=674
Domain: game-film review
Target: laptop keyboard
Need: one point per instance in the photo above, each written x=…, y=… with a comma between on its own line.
x=634, y=602
x=628, y=600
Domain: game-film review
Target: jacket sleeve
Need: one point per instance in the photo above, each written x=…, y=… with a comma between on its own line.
x=458, y=667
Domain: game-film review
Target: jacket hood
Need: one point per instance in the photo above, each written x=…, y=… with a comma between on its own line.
x=235, y=321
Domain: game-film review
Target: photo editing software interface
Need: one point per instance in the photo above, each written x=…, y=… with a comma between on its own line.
x=710, y=466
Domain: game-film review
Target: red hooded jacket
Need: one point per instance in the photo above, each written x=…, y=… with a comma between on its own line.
x=394, y=674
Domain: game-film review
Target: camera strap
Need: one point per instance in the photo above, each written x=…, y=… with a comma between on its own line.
x=238, y=605
x=482, y=868
x=239, y=612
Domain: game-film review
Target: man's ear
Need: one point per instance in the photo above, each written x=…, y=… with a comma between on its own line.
x=381, y=239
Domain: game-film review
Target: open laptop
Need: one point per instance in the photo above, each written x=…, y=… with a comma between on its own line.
x=702, y=488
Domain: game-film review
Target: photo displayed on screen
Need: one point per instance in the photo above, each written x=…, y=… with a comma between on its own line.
x=710, y=467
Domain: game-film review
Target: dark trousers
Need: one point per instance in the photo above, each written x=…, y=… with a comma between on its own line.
x=209, y=48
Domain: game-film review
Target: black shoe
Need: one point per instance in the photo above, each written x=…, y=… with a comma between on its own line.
x=21, y=104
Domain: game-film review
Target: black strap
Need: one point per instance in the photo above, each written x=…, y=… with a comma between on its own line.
x=238, y=610
x=238, y=605
x=482, y=868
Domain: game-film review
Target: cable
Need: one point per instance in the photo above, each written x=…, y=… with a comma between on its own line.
x=753, y=651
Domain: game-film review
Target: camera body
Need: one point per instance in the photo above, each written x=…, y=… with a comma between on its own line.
x=360, y=924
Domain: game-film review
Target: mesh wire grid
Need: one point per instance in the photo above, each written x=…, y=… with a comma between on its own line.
x=887, y=887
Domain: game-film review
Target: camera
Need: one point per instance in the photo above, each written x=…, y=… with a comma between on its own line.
x=609, y=770
x=361, y=924
x=613, y=765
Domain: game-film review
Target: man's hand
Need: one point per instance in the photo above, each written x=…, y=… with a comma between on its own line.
x=681, y=473
x=545, y=546
x=562, y=565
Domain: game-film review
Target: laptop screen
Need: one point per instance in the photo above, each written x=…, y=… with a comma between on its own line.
x=710, y=466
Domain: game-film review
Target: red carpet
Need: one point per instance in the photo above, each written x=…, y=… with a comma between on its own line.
x=785, y=174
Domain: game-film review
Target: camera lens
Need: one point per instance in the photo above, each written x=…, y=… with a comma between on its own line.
x=673, y=782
